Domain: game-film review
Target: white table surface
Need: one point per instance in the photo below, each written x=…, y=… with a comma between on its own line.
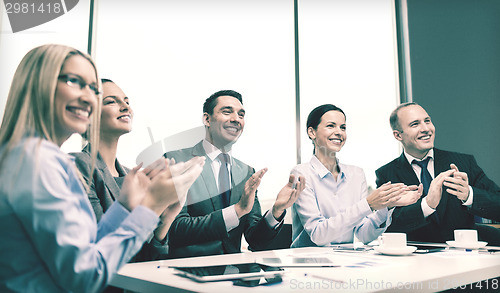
x=359, y=271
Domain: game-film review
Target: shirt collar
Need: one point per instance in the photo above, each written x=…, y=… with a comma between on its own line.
x=322, y=171
x=410, y=158
x=212, y=151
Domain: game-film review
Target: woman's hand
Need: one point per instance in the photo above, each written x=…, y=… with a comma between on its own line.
x=170, y=185
x=386, y=195
x=134, y=188
x=410, y=196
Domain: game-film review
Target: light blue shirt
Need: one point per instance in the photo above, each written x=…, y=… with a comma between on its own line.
x=50, y=240
x=331, y=211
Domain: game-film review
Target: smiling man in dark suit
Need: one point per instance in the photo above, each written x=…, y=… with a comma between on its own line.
x=222, y=204
x=455, y=187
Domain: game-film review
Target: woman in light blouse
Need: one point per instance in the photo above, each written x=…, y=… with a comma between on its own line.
x=335, y=204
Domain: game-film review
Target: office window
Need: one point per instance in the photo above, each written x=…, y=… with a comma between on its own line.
x=169, y=56
x=348, y=58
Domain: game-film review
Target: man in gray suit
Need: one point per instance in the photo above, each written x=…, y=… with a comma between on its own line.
x=222, y=204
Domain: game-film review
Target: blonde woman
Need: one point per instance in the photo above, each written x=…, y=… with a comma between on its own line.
x=50, y=239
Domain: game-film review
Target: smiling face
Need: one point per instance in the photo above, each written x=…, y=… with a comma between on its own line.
x=116, y=113
x=417, y=131
x=330, y=135
x=226, y=123
x=73, y=106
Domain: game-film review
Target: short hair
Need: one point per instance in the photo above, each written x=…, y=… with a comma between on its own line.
x=211, y=102
x=30, y=108
x=314, y=118
x=394, y=119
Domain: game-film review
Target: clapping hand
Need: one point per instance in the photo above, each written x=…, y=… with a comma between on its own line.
x=458, y=184
x=170, y=183
x=134, y=188
x=288, y=194
x=408, y=197
x=183, y=176
x=245, y=205
x=436, y=188
x=386, y=195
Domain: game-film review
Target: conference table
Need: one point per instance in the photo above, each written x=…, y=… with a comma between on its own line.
x=363, y=271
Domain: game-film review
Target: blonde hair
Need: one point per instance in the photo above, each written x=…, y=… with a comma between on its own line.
x=30, y=107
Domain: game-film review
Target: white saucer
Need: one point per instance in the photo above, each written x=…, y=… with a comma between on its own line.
x=396, y=250
x=472, y=245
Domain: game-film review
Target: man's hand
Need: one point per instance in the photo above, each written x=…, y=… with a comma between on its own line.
x=245, y=205
x=408, y=197
x=288, y=195
x=436, y=188
x=458, y=185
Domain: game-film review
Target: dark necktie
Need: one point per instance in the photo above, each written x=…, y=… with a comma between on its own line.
x=425, y=179
x=425, y=176
x=224, y=183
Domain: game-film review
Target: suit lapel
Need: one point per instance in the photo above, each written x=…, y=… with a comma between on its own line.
x=109, y=180
x=441, y=164
x=406, y=173
x=208, y=177
x=121, y=169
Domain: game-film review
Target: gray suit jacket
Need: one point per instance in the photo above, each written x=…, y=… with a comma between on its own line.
x=103, y=188
x=199, y=229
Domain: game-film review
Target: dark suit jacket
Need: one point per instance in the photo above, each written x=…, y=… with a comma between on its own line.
x=199, y=229
x=451, y=212
x=103, y=188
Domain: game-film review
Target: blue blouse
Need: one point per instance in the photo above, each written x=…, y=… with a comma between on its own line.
x=331, y=211
x=50, y=240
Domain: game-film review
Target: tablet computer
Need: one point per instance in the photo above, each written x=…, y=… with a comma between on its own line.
x=245, y=271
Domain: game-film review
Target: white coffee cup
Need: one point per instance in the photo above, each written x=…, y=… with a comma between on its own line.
x=392, y=240
x=465, y=236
